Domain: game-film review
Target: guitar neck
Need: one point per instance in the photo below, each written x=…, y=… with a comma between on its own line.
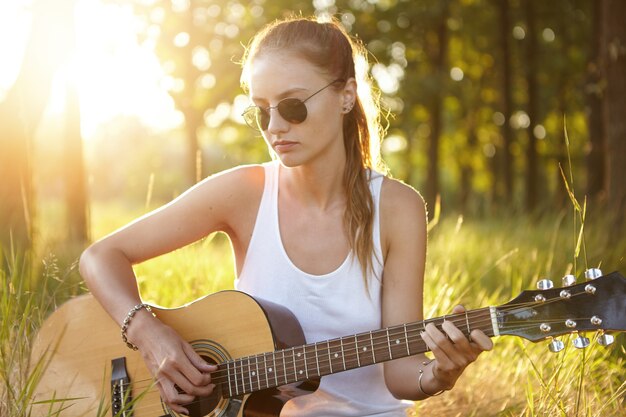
x=295, y=364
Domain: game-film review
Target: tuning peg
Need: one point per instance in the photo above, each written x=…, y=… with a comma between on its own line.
x=556, y=346
x=581, y=342
x=569, y=280
x=605, y=339
x=593, y=273
x=545, y=284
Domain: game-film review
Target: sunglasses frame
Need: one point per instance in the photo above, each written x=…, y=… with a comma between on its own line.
x=252, y=114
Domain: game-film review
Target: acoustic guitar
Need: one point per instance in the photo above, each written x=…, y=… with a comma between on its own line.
x=84, y=368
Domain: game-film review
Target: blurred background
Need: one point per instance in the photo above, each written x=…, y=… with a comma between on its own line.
x=131, y=102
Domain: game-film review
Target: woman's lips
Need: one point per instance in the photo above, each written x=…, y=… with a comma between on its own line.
x=283, y=145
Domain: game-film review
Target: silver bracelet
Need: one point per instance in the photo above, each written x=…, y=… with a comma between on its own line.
x=419, y=382
x=127, y=320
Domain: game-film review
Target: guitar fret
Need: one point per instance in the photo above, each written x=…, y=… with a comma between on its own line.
x=275, y=373
x=373, y=350
x=306, y=364
x=235, y=377
x=243, y=379
x=249, y=374
x=406, y=339
x=258, y=379
x=285, y=368
x=267, y=381
x=317, y=362
x=495, y=330
x=389, y=344
x=330, y=359
x=343, y=355
x=230, y=388
x=356, y=348
x=295, y=367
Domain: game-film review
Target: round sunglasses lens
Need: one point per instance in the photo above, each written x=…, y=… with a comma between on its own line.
x=292, y=110
x=256, y=118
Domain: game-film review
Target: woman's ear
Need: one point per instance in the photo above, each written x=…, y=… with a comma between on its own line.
x=348, y=95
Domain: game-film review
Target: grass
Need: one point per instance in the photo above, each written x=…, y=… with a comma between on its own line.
x=487, y=263
x=26, y=298
x=472, y=262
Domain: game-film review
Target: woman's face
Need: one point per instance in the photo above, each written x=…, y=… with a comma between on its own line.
x=275, y=76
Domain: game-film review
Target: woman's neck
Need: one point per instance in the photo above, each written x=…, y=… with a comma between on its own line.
x=319, y=185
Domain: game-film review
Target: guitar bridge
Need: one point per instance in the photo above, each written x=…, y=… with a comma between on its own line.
x=121, y=399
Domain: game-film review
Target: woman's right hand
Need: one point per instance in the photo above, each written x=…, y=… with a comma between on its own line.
x=171, y=361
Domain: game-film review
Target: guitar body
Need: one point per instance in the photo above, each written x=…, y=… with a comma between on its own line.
x=74, y=350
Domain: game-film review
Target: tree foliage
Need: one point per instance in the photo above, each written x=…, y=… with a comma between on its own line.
x=481, y=93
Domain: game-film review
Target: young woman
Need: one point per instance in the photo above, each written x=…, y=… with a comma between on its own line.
x=319, y=230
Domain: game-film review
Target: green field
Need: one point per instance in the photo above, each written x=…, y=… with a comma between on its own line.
x=473, y=262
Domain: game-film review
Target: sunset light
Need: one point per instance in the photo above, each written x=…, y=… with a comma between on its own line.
x=114, y=73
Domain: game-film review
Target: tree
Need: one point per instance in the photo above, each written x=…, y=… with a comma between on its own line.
x=76, y=203
x=507, y=101
x=596, y=153
x=437, y=49
x=51, y=42
x=533, y=108
x=20, y=114
x=614, y=59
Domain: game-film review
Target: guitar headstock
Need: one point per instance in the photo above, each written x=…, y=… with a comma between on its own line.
x=595, y=305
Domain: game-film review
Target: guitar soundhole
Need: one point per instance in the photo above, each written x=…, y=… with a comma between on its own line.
x=203, y=406
x=214, y=405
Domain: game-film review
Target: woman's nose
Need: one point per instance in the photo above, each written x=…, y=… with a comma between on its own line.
x=277, y=124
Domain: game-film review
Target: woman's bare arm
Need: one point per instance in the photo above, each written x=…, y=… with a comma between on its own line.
x=220, y=203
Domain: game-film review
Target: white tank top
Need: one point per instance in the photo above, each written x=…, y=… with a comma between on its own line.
x=327, y=306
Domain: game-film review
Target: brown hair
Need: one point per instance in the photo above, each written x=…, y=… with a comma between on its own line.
x=329, y=47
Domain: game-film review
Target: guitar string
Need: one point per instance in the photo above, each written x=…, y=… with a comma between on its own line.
x=220, y=374
x=350, y=353
x=460, y=320
x=378, y=342
x=157, y=406
x=324, y=363
x=351, y=357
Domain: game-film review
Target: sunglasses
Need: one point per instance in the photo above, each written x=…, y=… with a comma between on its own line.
x=291, y=109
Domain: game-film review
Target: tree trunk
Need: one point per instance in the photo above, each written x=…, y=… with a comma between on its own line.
x=507, y=100
x=467, y=171
x=533, y=108
x=436, y=109
x=596, y=152
x=193, y=117
x=74, y=166
x=614, y=59
x=16, y=187
x=20, y=114
x=75, y=184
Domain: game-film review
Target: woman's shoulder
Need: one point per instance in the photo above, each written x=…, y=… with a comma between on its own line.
x=242, y=177
x=229, y=191
x=398, y=197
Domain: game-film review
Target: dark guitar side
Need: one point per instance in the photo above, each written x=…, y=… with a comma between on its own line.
x=74, y=349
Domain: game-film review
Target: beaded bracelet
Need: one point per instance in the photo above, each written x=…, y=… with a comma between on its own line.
x=127, y=320
x=419, y=383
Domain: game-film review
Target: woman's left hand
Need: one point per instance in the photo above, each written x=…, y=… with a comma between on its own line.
x=453, y=351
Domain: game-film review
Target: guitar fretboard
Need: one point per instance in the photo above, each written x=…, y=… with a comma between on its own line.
x=299, y=363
